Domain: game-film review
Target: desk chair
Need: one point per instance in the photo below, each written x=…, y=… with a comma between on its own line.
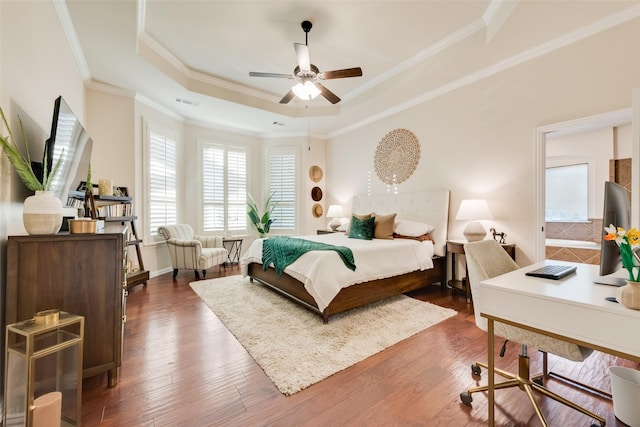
x=486, y=259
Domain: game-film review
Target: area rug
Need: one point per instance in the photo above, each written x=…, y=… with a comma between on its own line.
x=293, y=346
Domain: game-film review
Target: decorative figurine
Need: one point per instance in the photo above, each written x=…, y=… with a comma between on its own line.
x=496, y=234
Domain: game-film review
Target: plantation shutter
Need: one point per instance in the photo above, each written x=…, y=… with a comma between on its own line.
x=224, y=183
x=236, y=189
x=213, y=187
x=162, y=181
x=282, y=167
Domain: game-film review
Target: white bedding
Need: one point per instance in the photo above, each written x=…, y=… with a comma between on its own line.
x=324, y=274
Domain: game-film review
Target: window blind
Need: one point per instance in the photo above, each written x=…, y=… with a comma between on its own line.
x=162, y=181
x=224, y=184
x=282, y=167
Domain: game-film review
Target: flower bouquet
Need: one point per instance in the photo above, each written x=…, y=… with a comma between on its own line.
x=626, y=240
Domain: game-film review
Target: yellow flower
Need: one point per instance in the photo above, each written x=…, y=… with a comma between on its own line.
x=633, y=236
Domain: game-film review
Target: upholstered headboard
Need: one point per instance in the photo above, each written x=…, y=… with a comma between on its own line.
x=431, y=207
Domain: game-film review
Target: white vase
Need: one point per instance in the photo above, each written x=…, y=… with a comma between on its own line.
x=42, y=213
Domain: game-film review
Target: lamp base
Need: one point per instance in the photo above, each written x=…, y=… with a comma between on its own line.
x=474, y=231
x=334, y=224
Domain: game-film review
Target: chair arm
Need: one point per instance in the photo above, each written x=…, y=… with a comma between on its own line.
x=196, y=244
x=210, y=241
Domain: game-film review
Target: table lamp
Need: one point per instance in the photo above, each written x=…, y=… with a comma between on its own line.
x=335, y=212
x=474, y=210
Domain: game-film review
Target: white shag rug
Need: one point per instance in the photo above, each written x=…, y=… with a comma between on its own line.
x=292, y=344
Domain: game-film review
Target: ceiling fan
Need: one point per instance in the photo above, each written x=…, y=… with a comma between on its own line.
x=308, y=75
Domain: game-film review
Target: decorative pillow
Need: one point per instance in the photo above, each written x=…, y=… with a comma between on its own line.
x=360, y=217
x=411, y=228
x=383, y=226
x=361, y=228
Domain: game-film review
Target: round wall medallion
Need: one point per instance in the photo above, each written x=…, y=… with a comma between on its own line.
x=315, y=173
x=317, y=210
x=316, y=194
x=397, y=156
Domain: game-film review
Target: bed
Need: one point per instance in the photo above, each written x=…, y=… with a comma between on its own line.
x=305, y=280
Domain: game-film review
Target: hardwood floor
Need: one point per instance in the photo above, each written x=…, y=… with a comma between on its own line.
x=181, y=367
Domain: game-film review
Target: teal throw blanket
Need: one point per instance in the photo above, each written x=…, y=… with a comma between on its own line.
x=282, y=251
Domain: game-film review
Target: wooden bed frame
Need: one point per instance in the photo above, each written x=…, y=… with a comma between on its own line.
x=431, y=207
x=353, y=296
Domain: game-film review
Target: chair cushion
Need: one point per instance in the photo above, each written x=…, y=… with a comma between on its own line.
x=542, y=342
x=210, y=257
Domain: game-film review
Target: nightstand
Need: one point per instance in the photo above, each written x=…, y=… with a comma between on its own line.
x=325, y=231
x=456, y=247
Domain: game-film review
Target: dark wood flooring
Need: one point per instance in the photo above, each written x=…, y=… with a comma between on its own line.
x=181, y=367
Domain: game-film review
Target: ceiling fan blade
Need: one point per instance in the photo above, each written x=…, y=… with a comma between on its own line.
x=331, y=97
x=288, y=97
x=282, y=76
x=341, y=74
x=302, y=52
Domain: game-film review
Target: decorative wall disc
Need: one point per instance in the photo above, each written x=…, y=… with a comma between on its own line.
x=315, y=173
x=316, y=210
x=397, y=156
x=316, y=194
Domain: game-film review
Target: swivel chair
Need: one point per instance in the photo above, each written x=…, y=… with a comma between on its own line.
x=487, y=259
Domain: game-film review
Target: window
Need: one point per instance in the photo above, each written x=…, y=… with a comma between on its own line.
x=282, y=170
x=224, y=188
x=567, y=189
x=161, y=182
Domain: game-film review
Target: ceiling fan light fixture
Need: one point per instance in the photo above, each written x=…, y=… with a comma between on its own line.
x=306, y=90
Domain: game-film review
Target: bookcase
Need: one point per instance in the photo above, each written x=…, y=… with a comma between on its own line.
x=118, y=208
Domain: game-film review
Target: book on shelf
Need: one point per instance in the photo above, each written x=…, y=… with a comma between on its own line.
x=118, y=210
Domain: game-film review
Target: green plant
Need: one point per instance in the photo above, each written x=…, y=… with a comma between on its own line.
x=22, y=162
x=262, y=221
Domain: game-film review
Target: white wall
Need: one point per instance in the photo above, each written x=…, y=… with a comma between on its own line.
x=479, y=140
x=35, y=68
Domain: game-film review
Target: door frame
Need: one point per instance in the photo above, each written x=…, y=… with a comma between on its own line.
x=610, y=119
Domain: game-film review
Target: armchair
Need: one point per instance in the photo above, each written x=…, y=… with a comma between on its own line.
x=486, y=259
x=192, y=251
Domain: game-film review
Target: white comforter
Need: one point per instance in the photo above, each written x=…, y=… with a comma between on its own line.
x=324, y=274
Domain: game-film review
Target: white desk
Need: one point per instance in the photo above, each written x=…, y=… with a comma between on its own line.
x=573, y=309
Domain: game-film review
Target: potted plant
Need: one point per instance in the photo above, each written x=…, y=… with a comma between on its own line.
x=42, y=212
x=262, y=221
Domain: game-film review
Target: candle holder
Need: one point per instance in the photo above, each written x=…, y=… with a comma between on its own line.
x=105, y=187
x=43, y=370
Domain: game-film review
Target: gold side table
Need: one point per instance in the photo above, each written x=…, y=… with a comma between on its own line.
x=43, y=370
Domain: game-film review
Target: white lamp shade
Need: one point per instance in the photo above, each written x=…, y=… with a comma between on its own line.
x=474, y=209
x=335, y=211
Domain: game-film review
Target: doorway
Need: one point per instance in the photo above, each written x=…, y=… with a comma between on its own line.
x=545, y=134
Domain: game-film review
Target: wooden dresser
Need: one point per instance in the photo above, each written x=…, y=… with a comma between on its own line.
x=77, y=273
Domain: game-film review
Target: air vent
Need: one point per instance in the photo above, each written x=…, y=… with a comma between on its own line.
x=278, y=124
x=188, y=102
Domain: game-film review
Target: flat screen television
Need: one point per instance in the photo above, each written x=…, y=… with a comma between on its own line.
x=69, y=140
x=617, y=211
